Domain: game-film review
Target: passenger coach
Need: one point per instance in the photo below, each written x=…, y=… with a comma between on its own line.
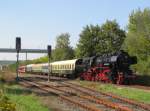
x=69, y=68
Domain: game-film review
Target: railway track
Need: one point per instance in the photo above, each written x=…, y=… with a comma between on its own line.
x=146, y=88
x=63, y=95
x=87, y=98
x=121, y=99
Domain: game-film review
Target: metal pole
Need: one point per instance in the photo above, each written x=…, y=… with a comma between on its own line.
x=49, y=56
x=49, y=69
x=17, y=67
x=26, y=57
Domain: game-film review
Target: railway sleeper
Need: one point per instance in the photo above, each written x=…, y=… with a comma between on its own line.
x=142, y=105
x=87, y=107
x=106, y=103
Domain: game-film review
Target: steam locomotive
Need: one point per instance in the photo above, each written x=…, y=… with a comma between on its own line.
x=114, y=68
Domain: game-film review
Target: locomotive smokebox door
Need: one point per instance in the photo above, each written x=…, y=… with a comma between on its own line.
x=49, y=50
x=18, y=44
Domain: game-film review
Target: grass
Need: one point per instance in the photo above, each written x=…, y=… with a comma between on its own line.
x=24, y=99
x=131, y=93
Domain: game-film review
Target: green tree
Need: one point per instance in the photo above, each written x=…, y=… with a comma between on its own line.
x=138, y=38
x=97, y=40
x=87, y=41
x=63, y=50
x=110, y=38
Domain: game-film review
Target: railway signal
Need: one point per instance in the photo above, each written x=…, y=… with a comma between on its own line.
x=49, y=55
x=18, y=44
x=18, y=48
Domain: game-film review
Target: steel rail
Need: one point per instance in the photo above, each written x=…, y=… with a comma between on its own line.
x=90, y=108
x=142, y=105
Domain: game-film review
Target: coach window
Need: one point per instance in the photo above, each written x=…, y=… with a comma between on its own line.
x=65, y=67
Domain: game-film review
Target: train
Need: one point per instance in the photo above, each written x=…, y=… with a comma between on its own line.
x=110, y=68
x=67, y=68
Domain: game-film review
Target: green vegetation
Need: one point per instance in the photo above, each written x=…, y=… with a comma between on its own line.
x=97, y=40
x=138, y=39
x=6, y=104
x=131, y=93
x=15, y=98
x=63, y=50
x=24, y=100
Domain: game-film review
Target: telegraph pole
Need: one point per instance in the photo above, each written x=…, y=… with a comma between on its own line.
x=49, y=56
x=18, y=48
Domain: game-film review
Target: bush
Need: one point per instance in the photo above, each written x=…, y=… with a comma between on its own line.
x=5, y=104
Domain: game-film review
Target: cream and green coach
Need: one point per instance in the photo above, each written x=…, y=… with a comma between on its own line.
x=69, y=68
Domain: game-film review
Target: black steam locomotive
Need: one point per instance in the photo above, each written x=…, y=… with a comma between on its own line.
x=114, y=68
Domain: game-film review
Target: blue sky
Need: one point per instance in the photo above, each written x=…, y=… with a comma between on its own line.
x=38, y=22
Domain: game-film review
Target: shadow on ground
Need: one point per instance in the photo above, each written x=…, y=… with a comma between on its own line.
x=28, y=90
x=143, y=80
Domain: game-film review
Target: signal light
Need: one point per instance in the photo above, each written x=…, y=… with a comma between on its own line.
x=18, y=44
x=49, y=50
